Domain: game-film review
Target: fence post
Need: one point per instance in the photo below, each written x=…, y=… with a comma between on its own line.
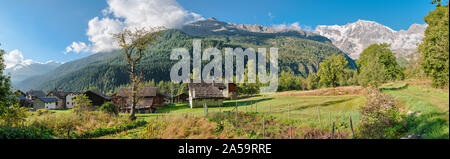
x=236, y=116
x=264, y=126
x=205, y=109
x=332, y=132
x=351, y=126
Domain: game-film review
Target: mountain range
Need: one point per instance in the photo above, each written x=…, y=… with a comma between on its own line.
x=24, y=71
x=299, y=51
x=353, y=38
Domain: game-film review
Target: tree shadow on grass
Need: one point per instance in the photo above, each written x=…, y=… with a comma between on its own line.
x=226, y=104
x=325, y=104
x=244, y=103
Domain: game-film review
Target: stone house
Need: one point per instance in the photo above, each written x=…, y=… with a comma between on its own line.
x=33, y=94
x=45, y=103
x=69, y=99
x=60, y=96
x=149, y=98
x=210, y=94
x=23, y=101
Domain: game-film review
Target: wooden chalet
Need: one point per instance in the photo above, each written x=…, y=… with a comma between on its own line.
x=149, y=99
x=203, y=93
x=97, y=98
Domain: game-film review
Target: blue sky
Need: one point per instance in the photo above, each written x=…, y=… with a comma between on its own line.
x=42, y=29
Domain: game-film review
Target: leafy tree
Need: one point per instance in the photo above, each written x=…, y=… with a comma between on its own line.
x=299, y=83
x=133, y=44
x=382, y=52
x=313, y=81
x=10, y=112
x=286, y=81
x=372, y=74
x=81, y=103
x=435, y=46
x=332, y=70
x=110, y=108
x=414, y=68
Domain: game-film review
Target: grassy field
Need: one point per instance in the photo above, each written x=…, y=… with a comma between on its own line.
x=293, y=114
x=428, y=107
x=318, y=112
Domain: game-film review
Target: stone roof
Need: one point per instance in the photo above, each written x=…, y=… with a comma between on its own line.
x=35, y=93
x=206, y=90
x=143, y=92
x=59, y=94
x=99, y=94
x=48, y=99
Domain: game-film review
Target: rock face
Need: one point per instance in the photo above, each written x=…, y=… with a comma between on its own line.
x=353, y=38
x=212, y=26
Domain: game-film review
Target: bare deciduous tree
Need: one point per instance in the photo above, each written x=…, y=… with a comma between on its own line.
x=134, y=44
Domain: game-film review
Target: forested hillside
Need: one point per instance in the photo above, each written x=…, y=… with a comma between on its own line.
x=107, y=71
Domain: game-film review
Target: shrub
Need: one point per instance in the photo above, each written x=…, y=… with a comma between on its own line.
x=13, y=116
x=25, y=133
x=72, y=125
x=81, y=103
x=110, y=108
x=381, y=118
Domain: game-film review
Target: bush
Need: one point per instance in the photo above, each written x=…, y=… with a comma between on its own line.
x=381, y=118
x=109, y=108
x=81, y=103
x=72, y=125
x=98, y=132
x=25, y=133
x=13, y=116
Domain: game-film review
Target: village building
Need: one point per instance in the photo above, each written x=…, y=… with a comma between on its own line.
x=149, y=99
x=97, y=98
x=33, y=94
x=69, y=99
x=44, y=103
x=181, y=98
x=209, y=94
x=60, y=96
x=23, y=101
x=230, y=91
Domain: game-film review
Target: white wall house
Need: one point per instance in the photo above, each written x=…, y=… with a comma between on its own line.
x=69, y=99
x=49, y=102
x=50, y=105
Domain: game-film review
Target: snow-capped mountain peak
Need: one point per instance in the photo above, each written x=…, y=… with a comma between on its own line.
x=353, y=38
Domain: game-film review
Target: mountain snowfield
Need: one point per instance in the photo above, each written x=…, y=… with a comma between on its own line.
x=353, y=38
x=22, y=71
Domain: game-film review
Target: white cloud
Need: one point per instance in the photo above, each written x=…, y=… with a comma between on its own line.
x=292, y=27
x=77, y=47
x=15, y=57
x=130, y=14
